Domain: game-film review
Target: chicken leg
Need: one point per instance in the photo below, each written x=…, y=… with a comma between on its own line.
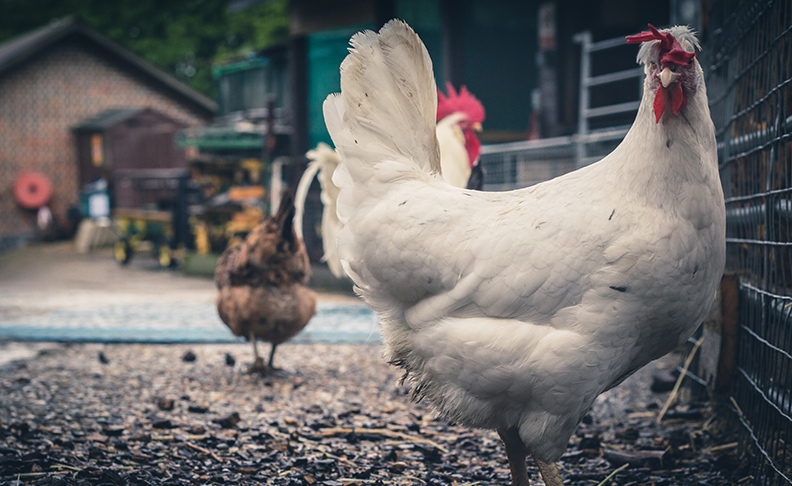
x=516, y=453
x=549, y=473
x=272, y=357
x=258, y=365
x=258, y=361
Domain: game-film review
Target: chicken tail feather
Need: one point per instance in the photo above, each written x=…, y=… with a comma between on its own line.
x=285, y=216
x=383, y=121
x=302, y=194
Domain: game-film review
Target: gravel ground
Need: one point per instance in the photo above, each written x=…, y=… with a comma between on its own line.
x=334, y=415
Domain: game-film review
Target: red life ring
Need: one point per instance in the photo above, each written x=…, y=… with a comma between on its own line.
x=32, y=190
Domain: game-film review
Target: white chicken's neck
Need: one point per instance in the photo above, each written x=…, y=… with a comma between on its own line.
x=661, y=159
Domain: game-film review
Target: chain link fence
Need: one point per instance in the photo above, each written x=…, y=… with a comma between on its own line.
x=748, y=62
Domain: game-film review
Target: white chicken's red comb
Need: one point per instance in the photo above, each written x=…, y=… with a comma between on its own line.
x=670, y=49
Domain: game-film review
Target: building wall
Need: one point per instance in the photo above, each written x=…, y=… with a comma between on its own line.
x=41, y=100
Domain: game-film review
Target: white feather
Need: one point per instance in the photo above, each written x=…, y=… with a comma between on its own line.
x=454, y=159
x=323, y=163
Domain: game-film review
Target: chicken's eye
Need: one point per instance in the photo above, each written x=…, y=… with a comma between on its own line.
x=651, y=63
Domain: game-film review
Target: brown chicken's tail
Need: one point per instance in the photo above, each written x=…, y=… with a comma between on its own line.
x=285, y=216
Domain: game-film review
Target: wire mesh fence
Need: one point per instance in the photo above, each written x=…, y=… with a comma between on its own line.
x=748, y=61
x=748, y=64
x=523, y=164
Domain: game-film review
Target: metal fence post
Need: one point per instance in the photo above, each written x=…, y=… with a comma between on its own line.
x=584, y=39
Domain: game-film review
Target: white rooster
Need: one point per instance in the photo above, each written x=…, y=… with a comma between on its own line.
x=514, y=310
x=459, y=117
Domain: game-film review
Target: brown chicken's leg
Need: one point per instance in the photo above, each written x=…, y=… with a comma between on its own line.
x=258, y=361
x=516, y=453
x=272, y=357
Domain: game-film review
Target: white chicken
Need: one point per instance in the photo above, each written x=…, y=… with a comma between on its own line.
x=515, y=310
x=459, y=118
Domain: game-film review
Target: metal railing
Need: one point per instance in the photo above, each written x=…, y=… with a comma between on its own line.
x=521, y=164
x=585, y=137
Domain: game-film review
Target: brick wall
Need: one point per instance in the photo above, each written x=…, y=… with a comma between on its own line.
x=41, y=101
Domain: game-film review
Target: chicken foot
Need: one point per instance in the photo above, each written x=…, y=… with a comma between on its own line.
x=258, y=365
x=516, y=452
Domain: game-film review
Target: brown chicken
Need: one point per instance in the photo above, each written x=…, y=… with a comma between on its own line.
x=261, y=284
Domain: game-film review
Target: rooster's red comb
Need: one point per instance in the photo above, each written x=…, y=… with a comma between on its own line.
x=463, y=102
x=670, y=49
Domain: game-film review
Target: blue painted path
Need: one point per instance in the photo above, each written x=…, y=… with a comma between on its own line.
x=178, y=323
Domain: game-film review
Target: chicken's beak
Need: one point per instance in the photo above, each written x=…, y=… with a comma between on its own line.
x=667, y=76
x=477, y=127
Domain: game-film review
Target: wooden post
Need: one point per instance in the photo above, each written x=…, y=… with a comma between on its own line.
x=730, y=324
x=718, y=352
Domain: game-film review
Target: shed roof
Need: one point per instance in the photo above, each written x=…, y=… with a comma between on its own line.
x=106, y=119
x=16, y=51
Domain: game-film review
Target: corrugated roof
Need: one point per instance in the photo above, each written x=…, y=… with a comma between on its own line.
x=19, y=49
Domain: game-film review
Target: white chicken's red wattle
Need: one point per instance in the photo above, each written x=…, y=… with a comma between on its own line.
x=673, y=97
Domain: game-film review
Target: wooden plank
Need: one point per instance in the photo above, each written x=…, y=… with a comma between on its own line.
x=730, y=317
x=717, y=357
x=145, y=214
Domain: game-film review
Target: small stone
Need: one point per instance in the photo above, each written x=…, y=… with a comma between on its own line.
x=165, y=404
x=228, y=422
x=589, y=442
x=630, y=434
x=197, y=409
x=189, y=357
x=113, y=431
x=163, y=424
x=315, y=408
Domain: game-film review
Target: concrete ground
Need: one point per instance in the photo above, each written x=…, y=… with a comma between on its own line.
x=49, y=292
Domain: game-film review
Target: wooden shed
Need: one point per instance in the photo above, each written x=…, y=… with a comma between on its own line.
x=117, y=142
x=59, y=77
